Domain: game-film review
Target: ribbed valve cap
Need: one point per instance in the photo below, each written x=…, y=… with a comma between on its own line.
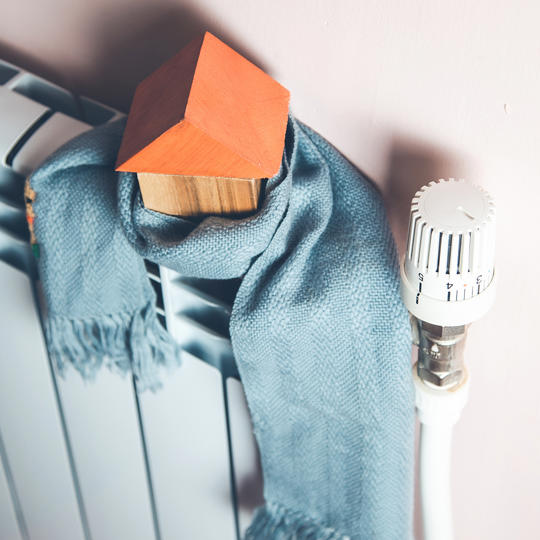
x=448, y=270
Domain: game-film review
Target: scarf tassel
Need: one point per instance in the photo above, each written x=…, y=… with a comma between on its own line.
x=275, y=522
x=122, y=342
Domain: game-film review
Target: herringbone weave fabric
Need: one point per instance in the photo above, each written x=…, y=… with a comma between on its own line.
x=318, y=330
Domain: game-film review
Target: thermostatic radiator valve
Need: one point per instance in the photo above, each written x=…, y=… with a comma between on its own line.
x=448, y=274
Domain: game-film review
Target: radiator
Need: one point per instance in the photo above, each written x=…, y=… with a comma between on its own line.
x=95, y=460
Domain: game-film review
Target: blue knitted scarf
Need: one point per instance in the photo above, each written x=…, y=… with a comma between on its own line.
x=319, y=333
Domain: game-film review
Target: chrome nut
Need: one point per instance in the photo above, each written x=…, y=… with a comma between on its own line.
x=440, y=354
x=442, y=379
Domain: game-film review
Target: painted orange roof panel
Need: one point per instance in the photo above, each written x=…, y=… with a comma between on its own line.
x=184, y=147
x=206, y=112
x=159, y=102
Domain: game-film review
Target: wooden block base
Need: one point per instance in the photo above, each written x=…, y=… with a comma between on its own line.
x=187, y=196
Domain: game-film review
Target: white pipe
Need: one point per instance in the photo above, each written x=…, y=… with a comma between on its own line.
x=435, y=492
x=438, y=410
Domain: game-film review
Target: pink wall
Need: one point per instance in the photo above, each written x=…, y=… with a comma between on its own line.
x=409, y=91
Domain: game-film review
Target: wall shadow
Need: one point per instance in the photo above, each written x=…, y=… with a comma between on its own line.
x=127, y=45
x=34, y=65
x=412, y=164
x=249, y=489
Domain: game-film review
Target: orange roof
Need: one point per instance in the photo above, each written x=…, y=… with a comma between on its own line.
x=206, y=112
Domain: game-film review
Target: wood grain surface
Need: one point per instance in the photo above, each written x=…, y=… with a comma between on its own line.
x=199, y=195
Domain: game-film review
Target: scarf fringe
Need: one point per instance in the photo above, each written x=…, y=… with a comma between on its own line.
x=122, y=342
x=275, y=522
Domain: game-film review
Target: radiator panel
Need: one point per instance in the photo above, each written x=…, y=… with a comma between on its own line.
x=120, y=465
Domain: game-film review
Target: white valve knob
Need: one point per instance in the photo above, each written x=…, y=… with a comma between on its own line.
x=448, y=270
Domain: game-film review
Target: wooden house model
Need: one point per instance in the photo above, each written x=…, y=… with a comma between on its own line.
x=203, y=130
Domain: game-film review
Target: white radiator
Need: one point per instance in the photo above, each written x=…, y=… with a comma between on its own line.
x=96, y=461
